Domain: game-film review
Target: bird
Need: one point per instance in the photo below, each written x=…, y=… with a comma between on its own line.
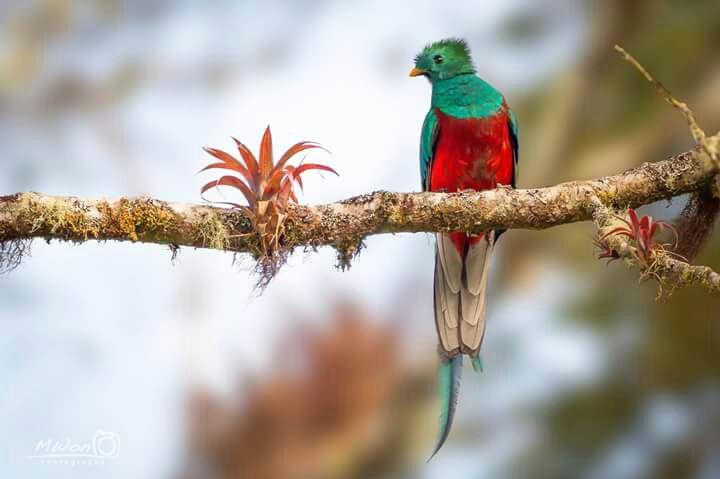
x=469, y=141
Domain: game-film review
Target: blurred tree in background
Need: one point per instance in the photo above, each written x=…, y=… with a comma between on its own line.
x=655, y=413
x=342, y=402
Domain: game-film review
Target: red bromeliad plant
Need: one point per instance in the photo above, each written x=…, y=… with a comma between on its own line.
x=268, y=187
x=641, y=231
x=605, y=251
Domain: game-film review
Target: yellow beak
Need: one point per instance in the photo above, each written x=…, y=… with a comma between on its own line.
x=417, y=72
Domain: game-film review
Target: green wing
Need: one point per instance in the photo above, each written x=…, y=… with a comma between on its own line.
x=515, y=144
x=428, y=138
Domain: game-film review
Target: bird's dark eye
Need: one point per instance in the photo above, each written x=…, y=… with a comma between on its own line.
x=438, y=59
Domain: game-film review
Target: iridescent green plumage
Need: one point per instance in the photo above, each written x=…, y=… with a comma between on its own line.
x=445, y=59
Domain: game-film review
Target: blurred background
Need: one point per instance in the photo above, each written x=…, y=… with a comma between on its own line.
x=331, y=374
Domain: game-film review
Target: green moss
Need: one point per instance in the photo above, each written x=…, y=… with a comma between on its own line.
x=213, y=232
x=67, y=220
x=135, y=219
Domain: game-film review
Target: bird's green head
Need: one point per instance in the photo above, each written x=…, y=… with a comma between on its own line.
x=444, y=59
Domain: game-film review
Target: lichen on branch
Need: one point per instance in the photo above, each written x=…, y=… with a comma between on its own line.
x=346, y=223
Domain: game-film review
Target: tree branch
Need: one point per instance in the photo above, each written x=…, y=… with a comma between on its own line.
x=346, y=223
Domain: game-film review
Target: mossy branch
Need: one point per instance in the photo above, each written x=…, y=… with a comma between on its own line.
x=346, y=223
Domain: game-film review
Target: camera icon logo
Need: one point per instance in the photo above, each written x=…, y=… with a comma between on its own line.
x=106, y=444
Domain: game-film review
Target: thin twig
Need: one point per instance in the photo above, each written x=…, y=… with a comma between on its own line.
x=698, y=133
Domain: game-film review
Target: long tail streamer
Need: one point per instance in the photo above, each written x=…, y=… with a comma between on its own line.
x=450, y=374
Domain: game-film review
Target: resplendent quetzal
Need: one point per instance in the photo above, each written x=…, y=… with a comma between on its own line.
x=469, y=141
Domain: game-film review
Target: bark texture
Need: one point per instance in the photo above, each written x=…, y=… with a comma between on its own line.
x=344, y=224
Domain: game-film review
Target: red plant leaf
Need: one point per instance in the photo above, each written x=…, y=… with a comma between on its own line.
x=645, y=223
x=237, y=167
x=211, y=166
x=233, y=182
x=634, y=219
x=220, y=155
x=312, y=166
x=294, y=150
x=624, y=220
x=284, y=193
x=620, y=230
x=250, y=162
x=654, y=228
x=266, y=154
x=605, y=251
x=298, y=179
x=273, y=184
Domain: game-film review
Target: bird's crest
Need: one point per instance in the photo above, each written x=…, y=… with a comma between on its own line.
x=458, y=46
